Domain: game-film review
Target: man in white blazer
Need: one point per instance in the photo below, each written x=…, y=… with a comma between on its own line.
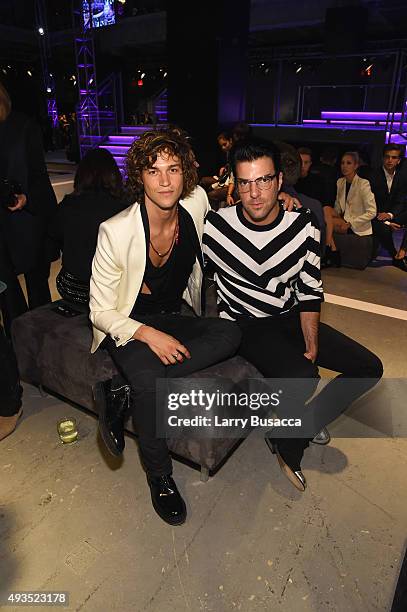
x=149, y=258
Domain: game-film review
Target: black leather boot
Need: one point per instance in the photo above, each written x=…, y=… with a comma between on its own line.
x=112, y=405
x=166, y=498
x=331, y=259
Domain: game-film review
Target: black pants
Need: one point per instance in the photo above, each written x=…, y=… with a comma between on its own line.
x=10, y=390
x=209, y=341
x=275, y=346
x=36, y=280
x=12, y=301
x=382, y=235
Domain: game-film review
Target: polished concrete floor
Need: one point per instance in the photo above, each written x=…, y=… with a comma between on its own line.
x=73, y=519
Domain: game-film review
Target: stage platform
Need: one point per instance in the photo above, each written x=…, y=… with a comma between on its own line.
x=304, y=134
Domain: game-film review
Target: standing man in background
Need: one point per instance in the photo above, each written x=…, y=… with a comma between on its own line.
x=23, y=224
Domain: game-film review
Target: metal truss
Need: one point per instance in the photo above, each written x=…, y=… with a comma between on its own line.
x=45, y=55
x=88, y=116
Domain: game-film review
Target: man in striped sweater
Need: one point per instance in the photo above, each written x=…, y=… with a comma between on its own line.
x=267, y=272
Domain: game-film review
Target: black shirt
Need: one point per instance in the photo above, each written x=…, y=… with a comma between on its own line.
x=313, y=186
x=168, y=282
x=76, y=226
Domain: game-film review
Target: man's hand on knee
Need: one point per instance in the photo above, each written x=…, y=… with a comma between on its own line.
x=167, y=348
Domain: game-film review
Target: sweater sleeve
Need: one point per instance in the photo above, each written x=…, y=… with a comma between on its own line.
x=308, y=286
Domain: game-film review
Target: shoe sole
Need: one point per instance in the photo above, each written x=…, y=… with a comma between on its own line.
x=322, y=442
x=176, y=521
x=19, y=415
x=99, y=398
x=288, y=473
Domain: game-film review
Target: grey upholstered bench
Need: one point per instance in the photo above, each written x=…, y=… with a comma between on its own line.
x=54, y=352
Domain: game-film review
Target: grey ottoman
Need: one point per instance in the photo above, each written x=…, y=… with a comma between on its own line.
x=356, y=251
x=54, y=352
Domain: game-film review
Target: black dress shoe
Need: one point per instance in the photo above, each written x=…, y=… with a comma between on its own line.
x=331, y=259
x=167, y=500
x=111, y=405
x=290, y=466
x=400, y=263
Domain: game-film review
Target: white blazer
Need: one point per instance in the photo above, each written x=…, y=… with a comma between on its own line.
x=118, y=270
x=360, y=206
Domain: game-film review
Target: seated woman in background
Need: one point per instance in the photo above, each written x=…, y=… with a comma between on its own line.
x=355, y=207
x=98, y=195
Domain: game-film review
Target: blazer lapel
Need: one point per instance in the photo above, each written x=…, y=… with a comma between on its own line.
x=190, y=225
x=395, y=183
x=353, y=188
x=342, y=195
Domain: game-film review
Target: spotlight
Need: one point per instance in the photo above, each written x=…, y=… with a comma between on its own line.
x=4, y=71
x=41, y=31
x=143, y=75
x=48, y=89
x=165, y=74
x=29, y=73
x=90, y=81
x=298, y=69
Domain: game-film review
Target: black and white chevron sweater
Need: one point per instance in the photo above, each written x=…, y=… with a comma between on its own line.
x=264, y=270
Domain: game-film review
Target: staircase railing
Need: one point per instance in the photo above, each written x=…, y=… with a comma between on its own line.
x=110, y=103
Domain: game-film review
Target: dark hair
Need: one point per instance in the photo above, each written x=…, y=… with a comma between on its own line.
x=241, y=131
x=305, y=151
x=143, y=154
x=392, y=146
x=290, y=163
x=329, y=155
x=225, y=134
x=98, y=171
x=250, y=150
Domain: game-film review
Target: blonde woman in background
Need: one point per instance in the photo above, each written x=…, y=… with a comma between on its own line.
x=354, y=209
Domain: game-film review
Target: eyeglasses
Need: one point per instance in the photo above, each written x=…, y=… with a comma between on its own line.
x=263, y=182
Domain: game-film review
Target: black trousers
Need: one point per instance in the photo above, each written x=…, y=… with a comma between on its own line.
x=10, y=390
x=12, y=301
x=382, y=235
x=36, y=280
x=209, y=341
x=275, y=346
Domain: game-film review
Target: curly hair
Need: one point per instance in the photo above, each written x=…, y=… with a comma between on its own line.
x=144, y=151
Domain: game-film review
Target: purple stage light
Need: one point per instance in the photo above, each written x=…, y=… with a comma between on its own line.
x=115, y=149
x=380, y=116
x=122, y=139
